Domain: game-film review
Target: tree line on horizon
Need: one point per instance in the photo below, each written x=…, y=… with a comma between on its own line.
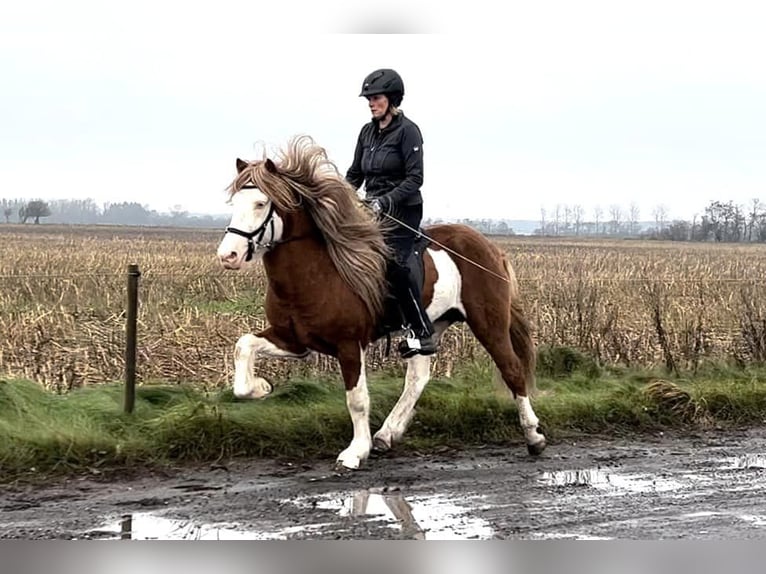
x=720, y=221
x=724, y=222
x=88, y=212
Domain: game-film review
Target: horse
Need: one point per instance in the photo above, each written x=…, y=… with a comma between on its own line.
x=325, y=260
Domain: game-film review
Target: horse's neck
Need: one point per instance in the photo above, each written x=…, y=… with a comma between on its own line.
x=303, y=257
x=298, y=225
x=294, y=267
x=290, y=262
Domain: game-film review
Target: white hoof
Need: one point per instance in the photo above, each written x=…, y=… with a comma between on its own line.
x=349, y=462
x=352, y=457
x=255, y=388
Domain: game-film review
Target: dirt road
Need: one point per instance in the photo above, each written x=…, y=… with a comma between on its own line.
x=702, y=486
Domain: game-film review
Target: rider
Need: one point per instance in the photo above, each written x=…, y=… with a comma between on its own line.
x=389, y=160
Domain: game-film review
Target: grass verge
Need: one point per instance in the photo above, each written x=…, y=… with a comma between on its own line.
x=86, y=431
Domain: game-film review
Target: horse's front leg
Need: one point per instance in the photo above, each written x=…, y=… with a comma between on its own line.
x=351, y=359
x=264, y=344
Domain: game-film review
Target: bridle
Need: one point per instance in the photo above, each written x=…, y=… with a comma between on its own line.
x=255, y=237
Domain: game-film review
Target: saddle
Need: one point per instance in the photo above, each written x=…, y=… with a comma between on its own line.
x=393, y=318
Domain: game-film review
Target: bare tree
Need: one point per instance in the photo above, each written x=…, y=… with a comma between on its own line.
x=557, y=218
x=567, y=218
x=693, y=232
x=578, y=213
x=615, y=211
x=635, y=214
x=542, y=221
x=598, y=213
x=37, y=209
x=7, y=212
x=753, y=217
x=660, y=214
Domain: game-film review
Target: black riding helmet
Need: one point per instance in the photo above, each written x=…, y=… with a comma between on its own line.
x=384, y=81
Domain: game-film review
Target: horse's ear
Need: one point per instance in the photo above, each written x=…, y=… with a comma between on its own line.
x=241, y=165
x=270, y=166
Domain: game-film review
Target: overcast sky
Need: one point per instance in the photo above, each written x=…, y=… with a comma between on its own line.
x=573, y=102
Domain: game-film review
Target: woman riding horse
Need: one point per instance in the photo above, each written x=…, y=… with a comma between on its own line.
x=326, y=260
x=389, y=160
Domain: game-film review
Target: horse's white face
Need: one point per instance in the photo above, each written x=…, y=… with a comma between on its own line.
x=252, y=217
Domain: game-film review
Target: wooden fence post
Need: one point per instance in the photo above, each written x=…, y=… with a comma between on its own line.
x=130, y=338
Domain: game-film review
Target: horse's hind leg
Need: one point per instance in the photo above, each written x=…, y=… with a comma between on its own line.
x=511, y=371
x=512, y=350
x=415, y=381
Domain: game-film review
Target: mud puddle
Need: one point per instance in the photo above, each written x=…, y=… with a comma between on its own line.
x=747, y=461
x=430, y=517
x=419, y=518
x=707, y=485
x=148, y=526
x=611, y=482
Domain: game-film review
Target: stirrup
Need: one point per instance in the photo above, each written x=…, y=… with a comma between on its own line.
x=412, y=345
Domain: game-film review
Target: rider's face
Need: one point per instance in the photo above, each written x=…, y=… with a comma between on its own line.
x=378, y=105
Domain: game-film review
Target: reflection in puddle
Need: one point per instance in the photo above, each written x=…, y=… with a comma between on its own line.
x=420, y=518
x=746, y=461
x=147, y=526
x=603, y=480
x=701, y=514
x=555, y=536
x=432, y=517
x=752, y=519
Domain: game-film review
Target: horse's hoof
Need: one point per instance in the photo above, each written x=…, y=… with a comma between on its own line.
x=380, y=445
x=341, y=468
x=537, y=448
x=257, y=389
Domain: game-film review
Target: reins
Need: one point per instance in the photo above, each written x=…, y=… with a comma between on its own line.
x=432, y=240
x=269, y=222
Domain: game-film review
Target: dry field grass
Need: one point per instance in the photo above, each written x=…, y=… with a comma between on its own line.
x=634, y=303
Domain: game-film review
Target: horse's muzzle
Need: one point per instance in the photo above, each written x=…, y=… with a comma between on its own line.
x=231, y=260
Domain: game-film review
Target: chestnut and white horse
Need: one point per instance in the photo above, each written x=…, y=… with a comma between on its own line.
x=325, y=260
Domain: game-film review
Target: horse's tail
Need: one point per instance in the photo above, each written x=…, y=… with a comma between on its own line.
x=520, y=332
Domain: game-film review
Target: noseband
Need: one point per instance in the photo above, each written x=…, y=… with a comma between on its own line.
x=259, y=231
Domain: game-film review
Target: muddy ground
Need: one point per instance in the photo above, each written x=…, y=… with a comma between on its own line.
x=706, y=485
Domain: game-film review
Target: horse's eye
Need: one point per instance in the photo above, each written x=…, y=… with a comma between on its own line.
x=260, y=204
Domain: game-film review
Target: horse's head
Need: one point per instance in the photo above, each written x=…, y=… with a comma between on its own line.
x=255, y=225
x=304, y=197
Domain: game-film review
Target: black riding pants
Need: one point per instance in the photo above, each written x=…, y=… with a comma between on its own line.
x=398, y=237
x=403, y=286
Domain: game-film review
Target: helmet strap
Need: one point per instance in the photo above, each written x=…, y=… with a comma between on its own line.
x=386, y=115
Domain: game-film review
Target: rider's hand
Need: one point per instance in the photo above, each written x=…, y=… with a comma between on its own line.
x=377, y=205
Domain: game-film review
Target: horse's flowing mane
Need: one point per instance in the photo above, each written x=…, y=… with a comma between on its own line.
x=305, y=178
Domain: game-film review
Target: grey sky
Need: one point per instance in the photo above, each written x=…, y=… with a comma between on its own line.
x=577, y=102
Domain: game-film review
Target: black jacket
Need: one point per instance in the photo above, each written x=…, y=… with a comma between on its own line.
x=389, y=162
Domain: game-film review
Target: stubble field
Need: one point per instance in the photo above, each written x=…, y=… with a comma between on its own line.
x=626, y=303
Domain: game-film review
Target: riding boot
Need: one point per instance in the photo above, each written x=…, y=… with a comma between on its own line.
x=420, y=336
